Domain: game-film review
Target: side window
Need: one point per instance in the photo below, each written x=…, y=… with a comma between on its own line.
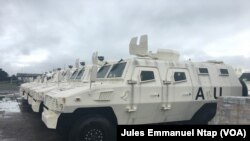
x=224, y=72
x=203, y=71
x=147, y=75
x=179, y=76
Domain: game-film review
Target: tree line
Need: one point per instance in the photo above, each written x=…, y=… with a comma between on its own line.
x=4, y=76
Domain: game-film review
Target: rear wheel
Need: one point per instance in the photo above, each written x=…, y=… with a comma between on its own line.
x=92, y=128
x=41, y=108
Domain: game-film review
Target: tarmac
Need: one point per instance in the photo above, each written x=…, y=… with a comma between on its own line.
x=19, y=123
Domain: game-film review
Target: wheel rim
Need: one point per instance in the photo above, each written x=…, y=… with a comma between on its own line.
x=93, y=134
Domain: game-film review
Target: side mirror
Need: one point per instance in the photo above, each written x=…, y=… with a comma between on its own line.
x=100, y=58
x=70, y=66
x=93, y=73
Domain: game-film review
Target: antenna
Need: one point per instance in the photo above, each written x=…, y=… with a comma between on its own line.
x=95, y=58
x=141, y=49
x=77, y=63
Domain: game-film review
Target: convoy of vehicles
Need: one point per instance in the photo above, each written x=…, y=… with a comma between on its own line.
x=146, y=89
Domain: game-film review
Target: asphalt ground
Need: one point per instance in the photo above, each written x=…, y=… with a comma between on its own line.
x=19, y=123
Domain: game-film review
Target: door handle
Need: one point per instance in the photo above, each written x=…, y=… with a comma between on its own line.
x=186, y=94
x=156, y=94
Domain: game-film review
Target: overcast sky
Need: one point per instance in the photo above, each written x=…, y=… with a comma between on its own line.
x=39, y=35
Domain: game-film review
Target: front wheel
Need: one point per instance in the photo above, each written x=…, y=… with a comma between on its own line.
x=92, y=128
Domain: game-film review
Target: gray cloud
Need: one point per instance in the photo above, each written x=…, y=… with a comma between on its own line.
x=57, y=32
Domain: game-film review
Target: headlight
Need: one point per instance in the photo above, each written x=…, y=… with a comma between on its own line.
x=38, y=96
x=53, y=103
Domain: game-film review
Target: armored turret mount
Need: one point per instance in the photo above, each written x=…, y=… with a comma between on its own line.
x=141, y=50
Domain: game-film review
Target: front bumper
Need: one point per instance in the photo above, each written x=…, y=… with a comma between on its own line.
x=35, y=105
x=50, y=118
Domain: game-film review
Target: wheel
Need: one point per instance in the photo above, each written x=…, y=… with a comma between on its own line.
x=41, y=108
x=92, y=128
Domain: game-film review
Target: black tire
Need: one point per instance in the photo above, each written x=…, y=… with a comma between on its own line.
x=93, y=128
x=41, y=108
x=244, y=88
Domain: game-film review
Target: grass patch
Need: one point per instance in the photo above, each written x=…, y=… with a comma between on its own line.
x=6, y=85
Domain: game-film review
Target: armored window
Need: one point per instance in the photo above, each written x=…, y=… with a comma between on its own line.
x=116, y=70
x=103, y=71
x=73, y=76
x=179, y=76
x=223, y=71
x=245, y=76
x=79, y=76
x=203, y=71
x=147, y=75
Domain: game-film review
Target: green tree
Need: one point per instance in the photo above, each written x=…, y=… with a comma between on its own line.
x=3, y=75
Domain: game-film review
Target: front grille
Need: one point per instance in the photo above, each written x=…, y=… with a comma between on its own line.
x=50, y=102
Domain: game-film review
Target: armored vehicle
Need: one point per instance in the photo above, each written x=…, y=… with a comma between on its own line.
x=25, y=87
x=145, y=89
x=76, y=79
x=35, y=94
x=56, y=78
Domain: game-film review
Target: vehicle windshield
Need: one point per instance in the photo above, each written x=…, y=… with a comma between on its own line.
x=245, y=76
x=103, y=71
x=73, y=76
x=65, y=75
x=117, y=70
x=79, y=76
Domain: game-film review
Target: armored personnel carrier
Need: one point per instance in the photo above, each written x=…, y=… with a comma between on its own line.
x=35, y=94
x=146, y=89
x=25, y=87
x=78, y=78
x=57, y=77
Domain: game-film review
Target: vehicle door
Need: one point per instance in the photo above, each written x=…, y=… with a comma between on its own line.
x=147, y=94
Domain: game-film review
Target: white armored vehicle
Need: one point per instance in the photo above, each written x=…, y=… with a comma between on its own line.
x=77, y=79
x=36, y=93
x=149, y=88
x=73, y=81
x=25, y=87
x=57, y=77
